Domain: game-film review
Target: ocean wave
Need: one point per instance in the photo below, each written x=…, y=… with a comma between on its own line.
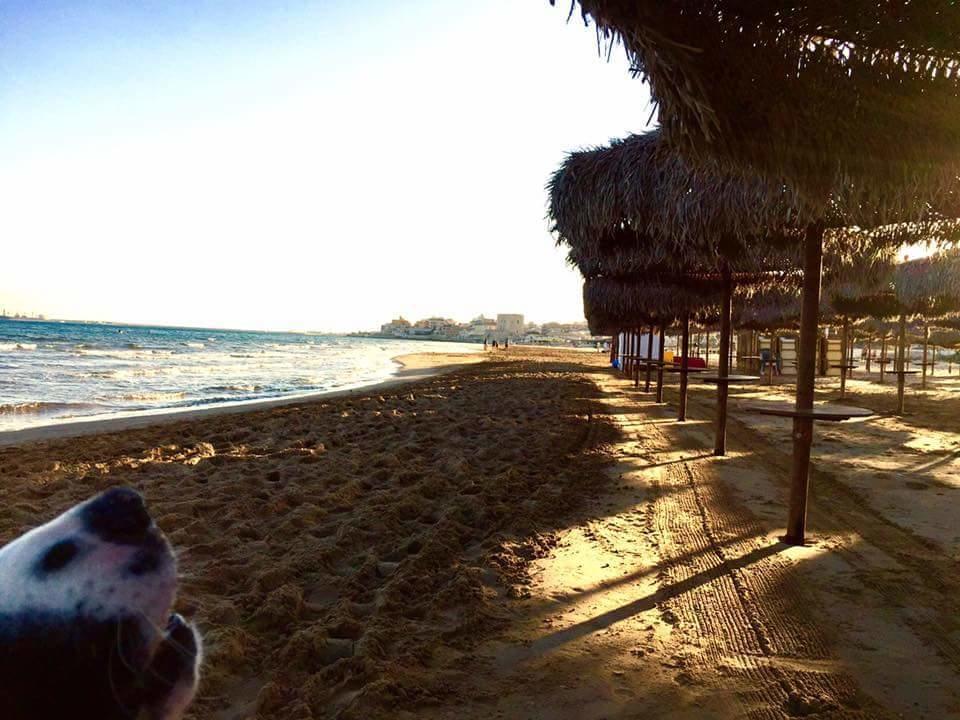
x=38, y=408
x=158, y=396
x=194, y=344
x=234, y=388
x=12, y=346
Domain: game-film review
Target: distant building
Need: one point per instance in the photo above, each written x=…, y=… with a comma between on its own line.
x=479, y=327
x=509, y=326
x=398, y=326
x=506, y=327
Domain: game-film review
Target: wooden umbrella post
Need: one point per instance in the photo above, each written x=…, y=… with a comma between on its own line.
x=706, y=357
x=770, y=361
x=614, y=341
x=867, y=350
x=625, y=348
x=853, y=343
x=636, y=357
x=900, y=364
x=845, y=351
x=926, y=343
x=646, y=385
x=806, y=366
x=684, y=364
x=883, y=357
x=720, y=443
x=663, y=339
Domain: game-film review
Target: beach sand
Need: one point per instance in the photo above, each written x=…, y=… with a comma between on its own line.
x=527, y=536
x=337, y=553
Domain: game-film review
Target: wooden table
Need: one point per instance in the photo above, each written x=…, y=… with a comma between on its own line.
x=677, y=369
x=904, y=372
x=653, y=363
x=849, y=366
x=826, y=413
x=729, y=379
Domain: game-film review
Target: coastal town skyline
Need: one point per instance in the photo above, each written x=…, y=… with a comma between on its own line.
x=432, y=327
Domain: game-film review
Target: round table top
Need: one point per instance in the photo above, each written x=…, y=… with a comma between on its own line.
x=848, y=366
x=677, y=368
x=905, y=372
x=827, y=413
x=729, y=379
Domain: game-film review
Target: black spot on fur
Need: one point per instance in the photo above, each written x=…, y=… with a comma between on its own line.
x=58, y=556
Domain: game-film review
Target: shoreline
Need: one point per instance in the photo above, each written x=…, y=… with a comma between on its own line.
x=410, y=367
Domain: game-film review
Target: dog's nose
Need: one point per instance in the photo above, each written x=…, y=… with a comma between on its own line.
x=118, y=516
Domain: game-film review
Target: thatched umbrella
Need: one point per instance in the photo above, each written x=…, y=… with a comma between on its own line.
x=923, y=289
x=624, y=307
x=882, y=330
x=818, y=93
x=948, y=339
x=771, y=311
x=617, y=301
x=817, y=96
x=855, y=301
x=637, y=204
x=633, y=206
x=929, y=288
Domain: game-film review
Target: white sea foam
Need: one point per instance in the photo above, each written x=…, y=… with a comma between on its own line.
x=52, y=371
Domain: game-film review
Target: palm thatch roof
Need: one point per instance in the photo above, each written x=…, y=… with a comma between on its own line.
x=950, y=321
x=637, y=202
x=848, y=304
x=926, y=288
x=611, y=303
x=929, y=286
x=858, y=94
x=877, y=328
x=773, y=309
x=945, y=338
x=637, y=193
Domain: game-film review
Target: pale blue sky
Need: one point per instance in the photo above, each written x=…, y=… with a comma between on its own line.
x=308, y=165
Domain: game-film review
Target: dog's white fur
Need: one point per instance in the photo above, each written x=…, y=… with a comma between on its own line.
x=94, y=578
x=99, y=583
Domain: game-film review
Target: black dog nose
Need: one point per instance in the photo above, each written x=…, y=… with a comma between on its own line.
x=118, y=516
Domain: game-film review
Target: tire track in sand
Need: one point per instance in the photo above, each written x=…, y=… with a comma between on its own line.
x=744, y=616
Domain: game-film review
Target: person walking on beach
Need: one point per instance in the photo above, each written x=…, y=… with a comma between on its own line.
x=506, y=343
x=484, y=344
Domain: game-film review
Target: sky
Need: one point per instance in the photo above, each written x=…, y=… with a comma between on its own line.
x=294, y=165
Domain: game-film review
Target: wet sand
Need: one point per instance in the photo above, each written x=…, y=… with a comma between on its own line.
x=530, y=537
x=410, y=367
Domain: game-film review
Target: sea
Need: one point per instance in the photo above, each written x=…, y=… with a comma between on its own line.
x=54, y=372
